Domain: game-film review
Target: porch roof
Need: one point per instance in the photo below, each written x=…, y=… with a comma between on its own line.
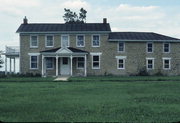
x=73, y=50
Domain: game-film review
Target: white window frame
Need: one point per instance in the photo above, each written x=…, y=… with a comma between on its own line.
x=37, y=62
x=96, y=54
x=52, y=63
x=47, y=40
x=164, y=47
x=92, y=40
x=124, y=62
x=68, y=40
x=152, y=63
x=152, y=47
x=78, y=62
x=123, y=47
x=77, y=40
x=31, y=41
x=166, y=58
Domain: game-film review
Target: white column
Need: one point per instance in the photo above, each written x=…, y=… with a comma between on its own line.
x=71, y=64
x=42, y=71
x=56, y=65
x=10, y=66
x=14, y=65
x=85, y=66
x=5, y=65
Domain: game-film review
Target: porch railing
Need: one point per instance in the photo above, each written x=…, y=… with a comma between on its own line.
x=12, y=50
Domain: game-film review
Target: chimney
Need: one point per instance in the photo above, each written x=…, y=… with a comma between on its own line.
x=104, y=20
x=25, y=20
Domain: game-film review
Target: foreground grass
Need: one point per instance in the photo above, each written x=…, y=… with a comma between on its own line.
x=140, y=101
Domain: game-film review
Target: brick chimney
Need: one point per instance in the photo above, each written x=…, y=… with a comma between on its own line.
x=104, y=20
x=25, y=20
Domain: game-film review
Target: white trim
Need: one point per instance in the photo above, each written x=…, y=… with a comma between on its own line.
x=33, y=54
x=152, y=63
x=121, y=57
x=37, y=62
x=96, y=54
x=92, y=40
x=46, y=40
x=77, y=40
x=31, y=40
x=147, y=47
x=68, y=39
x=165, y=58
x=169, y=47
x=123, y=47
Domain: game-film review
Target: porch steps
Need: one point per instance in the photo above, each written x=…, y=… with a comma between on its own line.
x=62, y=78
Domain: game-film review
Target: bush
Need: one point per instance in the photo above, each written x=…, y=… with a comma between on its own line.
x=143, y=72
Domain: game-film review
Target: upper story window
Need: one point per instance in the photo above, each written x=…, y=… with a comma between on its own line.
x=64, y=41
x=121, y=47
x=34, y=41
x=166, y=63
x=49, y=63
x=80, y=62
x=49, y=41
x=33, y=62
x=149, y=47
x=95, y=41
x=80, y=41
x=150, y=63
x=166, y=47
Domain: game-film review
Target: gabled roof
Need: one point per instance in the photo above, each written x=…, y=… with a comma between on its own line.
x=74, y=50
x=139, y=36
x=52, y=27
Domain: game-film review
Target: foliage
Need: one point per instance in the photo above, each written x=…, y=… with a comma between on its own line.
x=1, y=60
x=139, y=102
x=72, y=17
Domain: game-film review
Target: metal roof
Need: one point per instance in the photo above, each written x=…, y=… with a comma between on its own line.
x=42, y=27
x=139, y=36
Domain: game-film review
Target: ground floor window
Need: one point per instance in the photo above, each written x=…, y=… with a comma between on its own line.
x=49, y=63
x=96, y=62
x=80, y=62
x=121, y=63
x=166, y=63
x=150, y=63
x=33, y=62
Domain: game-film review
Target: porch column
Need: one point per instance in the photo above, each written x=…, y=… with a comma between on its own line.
x=71, y=64
x=14, y=65
x=56, y=65
x=5, y=65
x=42, y=66
x=10, y=66
x=85, y=65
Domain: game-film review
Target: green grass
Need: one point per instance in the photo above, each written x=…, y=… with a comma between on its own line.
x=110, y=99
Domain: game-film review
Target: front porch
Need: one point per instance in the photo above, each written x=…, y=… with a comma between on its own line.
x=64, y=62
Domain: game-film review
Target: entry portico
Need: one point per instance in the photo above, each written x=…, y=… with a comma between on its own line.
x=61, y=60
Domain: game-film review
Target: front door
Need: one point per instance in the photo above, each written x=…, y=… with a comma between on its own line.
x=65, y=66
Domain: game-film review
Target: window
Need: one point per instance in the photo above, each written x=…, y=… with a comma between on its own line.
x=166, y=47
x=49, y=41
x=149, y=47
x=95, y=41
x=150, y=63
x=166, y=63
x=80, y=63
x=33, y=62
x=49, y=63
x=64, y=41
x=121, y=64
x=34, y=42
x=121, y=47
x=80, y=41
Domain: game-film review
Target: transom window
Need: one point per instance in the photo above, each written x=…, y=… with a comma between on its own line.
x=121, y=47
x=95, y=41
x=49, y=63
x=96, y=62
x=166, y=47
x=80, y=62
x=34, y=42
x=64, y=41
x=80, y=41
x=166, y=63
x=149, y=47
x=34, y=62
x=150, y=63
x=49, y=41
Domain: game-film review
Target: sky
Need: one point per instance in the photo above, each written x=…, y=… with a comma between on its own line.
x=160, y=16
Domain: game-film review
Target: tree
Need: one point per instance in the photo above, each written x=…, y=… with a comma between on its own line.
x=1, y=60
x=72, y=17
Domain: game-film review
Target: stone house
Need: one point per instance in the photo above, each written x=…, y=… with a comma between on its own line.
x=53, y=49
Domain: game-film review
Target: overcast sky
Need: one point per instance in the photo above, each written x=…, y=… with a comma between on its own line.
x=161, y=16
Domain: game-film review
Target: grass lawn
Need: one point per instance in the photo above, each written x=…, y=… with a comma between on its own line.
x=113, y=99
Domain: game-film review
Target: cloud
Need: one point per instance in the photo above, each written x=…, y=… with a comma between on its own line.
x=75, y=4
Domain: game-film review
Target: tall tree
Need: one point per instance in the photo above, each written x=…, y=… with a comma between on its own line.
x=1, y=60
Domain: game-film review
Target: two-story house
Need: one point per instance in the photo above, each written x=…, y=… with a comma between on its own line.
x=82, y=49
